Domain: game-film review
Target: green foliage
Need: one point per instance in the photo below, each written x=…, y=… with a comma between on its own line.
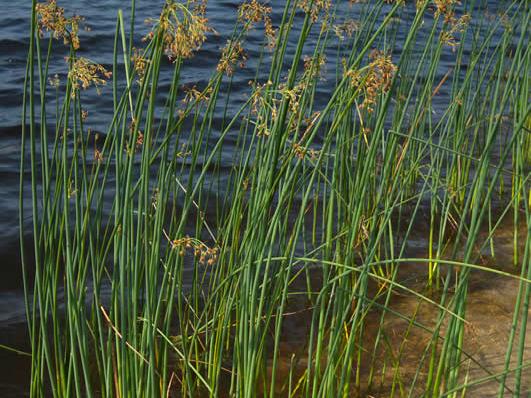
x=159, y=273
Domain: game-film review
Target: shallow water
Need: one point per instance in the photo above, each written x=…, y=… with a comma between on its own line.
x=489, y=310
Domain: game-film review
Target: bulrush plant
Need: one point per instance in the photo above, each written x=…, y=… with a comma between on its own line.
x=51, y=18
x=174, y=252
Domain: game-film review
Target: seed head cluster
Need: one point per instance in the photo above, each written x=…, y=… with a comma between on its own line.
x=373, y=80
x=261, y=106
x=201, y=251
x=183, y=28
x=140, y=64
x=314, y=67
x=455, y=26
x=346, y=29
x=51, y=18
x=253, y=12
x=446, y=9
x=232, y=55
x=84, y=73
x=195, y=96
x=315, y=7
x=302, y=152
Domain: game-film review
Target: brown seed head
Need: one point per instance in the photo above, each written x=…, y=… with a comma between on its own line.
x=315, y=7
x=51, y=18
x=84, y=73
x=183, y=28
x=232, y=55
x=140, y=64
x=252, y=12
x=373, y=80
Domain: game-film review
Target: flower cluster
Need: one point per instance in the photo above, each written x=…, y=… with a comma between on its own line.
x=51, y=18
x=293, y=95
x=265, y=101
x=140, y=64
x=419, y=4
x=130, y=147
x=456, y=26
x=346, y=29
x=84, y=73
x=252, y=12
x=373, y=80
x=313, y=66
x=453, y=24
x=445, y=8
x=195, y=96
x=315, y=7
x=202, y=252
x=232, y=54
x=258, y=94
x=98, y=156
x=183, y=29
x=139, y=139
x=301, y=152
x=262, y=108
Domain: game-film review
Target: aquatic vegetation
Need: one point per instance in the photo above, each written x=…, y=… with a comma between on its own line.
x=262, y=240
x=84, y=73
x=183, y=29
x=373, y=80
x=51, y=18
x=232, y=55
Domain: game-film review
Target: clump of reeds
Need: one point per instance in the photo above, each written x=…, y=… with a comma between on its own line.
x=160, y=273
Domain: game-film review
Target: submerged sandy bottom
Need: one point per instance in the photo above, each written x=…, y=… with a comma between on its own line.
x=489, y=312
x=490, y=306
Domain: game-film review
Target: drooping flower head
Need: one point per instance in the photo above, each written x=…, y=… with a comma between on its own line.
x=84, y=73
x=183, y=28
x=232, y=55
x=374, y=79
x=51, y=18
x=315, y=7
x=253, y=12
